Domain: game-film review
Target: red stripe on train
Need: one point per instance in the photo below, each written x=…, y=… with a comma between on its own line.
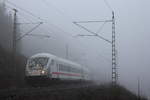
x=68, y=74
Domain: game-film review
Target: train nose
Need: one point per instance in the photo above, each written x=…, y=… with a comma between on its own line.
x=36, y=73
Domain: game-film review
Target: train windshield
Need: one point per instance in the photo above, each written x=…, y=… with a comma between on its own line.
x=38, y=63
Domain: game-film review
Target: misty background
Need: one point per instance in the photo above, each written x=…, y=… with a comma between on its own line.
x=57, y=16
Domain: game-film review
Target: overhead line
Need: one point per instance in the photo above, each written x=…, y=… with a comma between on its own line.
x=47, y=4
x=107, y=4
x=85, y=35
x=92, y=32
x=24, y=10
x=57, y=9
x=30, y=12
x=26, y=18
x=29, y=31
x=40, y=18
x=39, y=35
x=29, y=23
x=23, y=17
x=94, y=21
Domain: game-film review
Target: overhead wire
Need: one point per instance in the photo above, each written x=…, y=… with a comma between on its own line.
x=93, y=33
x=46, y=3
x=24, y=17
x=35, y=15
x=24, y=10
x=29, y=31
x=47, y=6
x=108, y=5
x=62, y=13
x=30, y=21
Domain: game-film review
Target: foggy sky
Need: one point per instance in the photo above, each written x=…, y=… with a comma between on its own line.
x=132, y=29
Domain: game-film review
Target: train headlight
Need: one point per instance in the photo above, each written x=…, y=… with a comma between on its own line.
x=43, y=72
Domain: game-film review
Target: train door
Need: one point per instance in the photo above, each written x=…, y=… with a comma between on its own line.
x=53, y=66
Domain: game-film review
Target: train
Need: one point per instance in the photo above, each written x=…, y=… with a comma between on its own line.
x=51, y=67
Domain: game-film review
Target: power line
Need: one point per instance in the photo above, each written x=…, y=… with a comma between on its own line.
x=30, y=12
x=21, y=14
x=27, y=33
x=61, y=13
x=36, y=34
x=29, y=23
x=83, y=35
x=40, y=19
x=107, y=4
x=48, y=4
x=92, y=32
x=26, y=18
x=97, y=21
x=88, y=21
x=24, y=10
x=39, y=35
x=57, y=9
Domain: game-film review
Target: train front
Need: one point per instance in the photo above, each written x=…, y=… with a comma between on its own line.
x=37, y=68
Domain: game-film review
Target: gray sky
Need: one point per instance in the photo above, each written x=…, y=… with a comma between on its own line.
x=132, y=29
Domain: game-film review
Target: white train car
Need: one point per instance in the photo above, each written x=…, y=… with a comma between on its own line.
x=48, y=66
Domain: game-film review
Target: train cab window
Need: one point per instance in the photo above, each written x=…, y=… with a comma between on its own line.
x=38, y=62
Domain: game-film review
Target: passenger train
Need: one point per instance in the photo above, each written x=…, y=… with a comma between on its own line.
x=48, y=66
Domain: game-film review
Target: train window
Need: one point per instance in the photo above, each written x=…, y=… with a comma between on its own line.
x=68, y=69
x=52, y=62
x=64, y=68
x=75, y=70
x=61, y=68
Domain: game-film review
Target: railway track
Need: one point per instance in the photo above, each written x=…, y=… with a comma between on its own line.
x=14, y=94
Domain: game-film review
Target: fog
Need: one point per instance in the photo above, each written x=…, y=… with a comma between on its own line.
x=57, y=16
